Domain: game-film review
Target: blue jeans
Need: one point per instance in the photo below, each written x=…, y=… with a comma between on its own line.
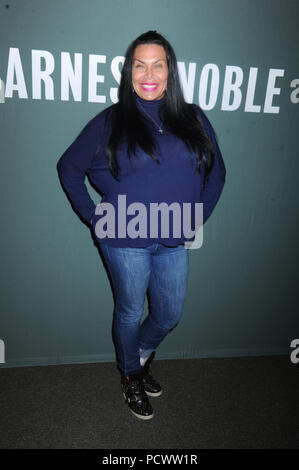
x=163, y=272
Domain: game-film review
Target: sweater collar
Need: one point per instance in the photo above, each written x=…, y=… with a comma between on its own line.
x=149, y=104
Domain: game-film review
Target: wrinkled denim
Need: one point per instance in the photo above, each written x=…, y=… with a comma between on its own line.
x=163, y=272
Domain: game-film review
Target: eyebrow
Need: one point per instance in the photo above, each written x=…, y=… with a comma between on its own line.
x=158, y=60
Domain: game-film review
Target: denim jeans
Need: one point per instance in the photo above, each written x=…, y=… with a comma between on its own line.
x=163, y=272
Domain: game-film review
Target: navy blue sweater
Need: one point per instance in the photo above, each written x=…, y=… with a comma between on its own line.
x=142, y=180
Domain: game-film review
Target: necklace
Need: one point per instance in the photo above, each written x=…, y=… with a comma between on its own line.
x=159, y=126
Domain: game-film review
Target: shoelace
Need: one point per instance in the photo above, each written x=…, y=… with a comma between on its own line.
x=137, y=387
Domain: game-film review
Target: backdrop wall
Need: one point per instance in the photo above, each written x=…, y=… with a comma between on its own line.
x=59, y=67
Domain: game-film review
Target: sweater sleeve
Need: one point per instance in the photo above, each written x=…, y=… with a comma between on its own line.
x=215, y=180
x=73, y=166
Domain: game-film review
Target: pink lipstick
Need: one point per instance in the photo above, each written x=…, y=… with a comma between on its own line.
x=149, y=86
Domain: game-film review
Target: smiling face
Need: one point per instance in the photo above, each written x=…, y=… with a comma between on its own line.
x=149, y=71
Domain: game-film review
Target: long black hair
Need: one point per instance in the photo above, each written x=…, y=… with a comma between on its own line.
x=179, y=117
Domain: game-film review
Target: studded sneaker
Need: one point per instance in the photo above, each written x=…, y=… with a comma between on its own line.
x=151, y=386
x=134, y=393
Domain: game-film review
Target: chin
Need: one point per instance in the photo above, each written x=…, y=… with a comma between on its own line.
x=150, y=96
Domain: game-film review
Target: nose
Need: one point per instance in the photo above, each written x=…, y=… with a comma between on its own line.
x=149, y=73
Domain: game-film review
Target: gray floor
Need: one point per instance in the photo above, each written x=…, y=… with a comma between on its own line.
x=249, y=402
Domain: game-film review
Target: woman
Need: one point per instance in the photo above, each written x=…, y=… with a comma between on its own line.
x=151, y=150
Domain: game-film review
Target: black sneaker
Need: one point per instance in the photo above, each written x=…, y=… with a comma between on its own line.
x=135, y=396
x=151, y=386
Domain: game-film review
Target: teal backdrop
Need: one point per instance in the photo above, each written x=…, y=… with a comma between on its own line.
x=239, y=60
